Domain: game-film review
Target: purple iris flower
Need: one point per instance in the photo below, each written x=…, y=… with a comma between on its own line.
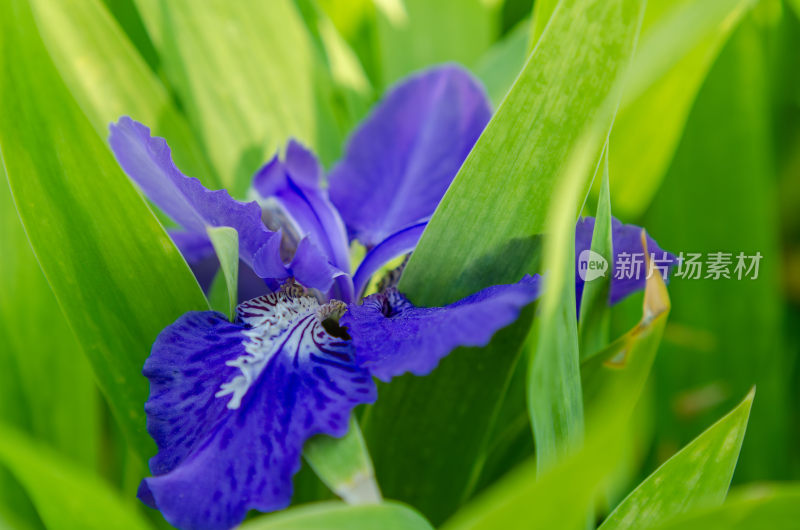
x=232, y=403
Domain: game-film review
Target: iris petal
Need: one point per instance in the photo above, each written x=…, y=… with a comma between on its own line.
x=294, y=185
x=400, y=161
x=390, y=248
x=231, y=405
x=626, y=239
x=391, y=336
x=148, y=161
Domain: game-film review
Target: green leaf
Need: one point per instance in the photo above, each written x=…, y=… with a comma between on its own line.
x=65, y=496
x=554, y=393
x=626, y=363
x=428, y=436
x=427, y=33
x=48, y=376
x=680, y=41
x=338, y=516
x=501, y=64
x=108, y=78
x=226, y=244
x=542, y=13
x=698, y=475
x=710, y=347
x=522, y=153
x=751, y=508
x=561, y=496
x=595, y=318
x=115, y=273
x=246, y=75
x=344, y=465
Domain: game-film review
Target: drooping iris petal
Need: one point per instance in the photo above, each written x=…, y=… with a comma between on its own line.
x=148, y=161
x=391, y=336
x=292, y=198
x=629, y=271
x=231, y=405
x=390, y=248
x=401, y=160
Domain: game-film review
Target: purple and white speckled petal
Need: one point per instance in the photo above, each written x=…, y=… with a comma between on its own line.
x=231, y=405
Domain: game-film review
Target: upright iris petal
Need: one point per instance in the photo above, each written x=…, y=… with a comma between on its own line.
x=292, y=198
x=401, y=160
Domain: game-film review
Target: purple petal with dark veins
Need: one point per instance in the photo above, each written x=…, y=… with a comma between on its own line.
x=401, y=160
x=626, y=239
x=391, y=336
x=231, y=405
x=390, y=248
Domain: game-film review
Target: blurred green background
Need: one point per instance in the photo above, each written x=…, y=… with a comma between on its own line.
x=707, y=159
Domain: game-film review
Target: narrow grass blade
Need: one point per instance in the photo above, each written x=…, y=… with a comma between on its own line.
x=338, y=516
x=698, y=475
x=595, y=317
x=749, y=508
x=226, y=244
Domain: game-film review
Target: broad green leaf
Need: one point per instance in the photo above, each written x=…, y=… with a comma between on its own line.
x=66, y=496
x=749, y=508
x=344, y=465
x=796, y=5
x=711, y=353
x=595, y=317
x=561, y=496
x=680, y=41
x=501, y=64
x=698, y=475
x=108, y=78
x=48, y=376
x=428, y=442
x=226, y=245
x=428, y=436
x=246, y=74
x=542, y=12
x=338, y=516
x=428, y=33
x=519, y=158
x=115, y=273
